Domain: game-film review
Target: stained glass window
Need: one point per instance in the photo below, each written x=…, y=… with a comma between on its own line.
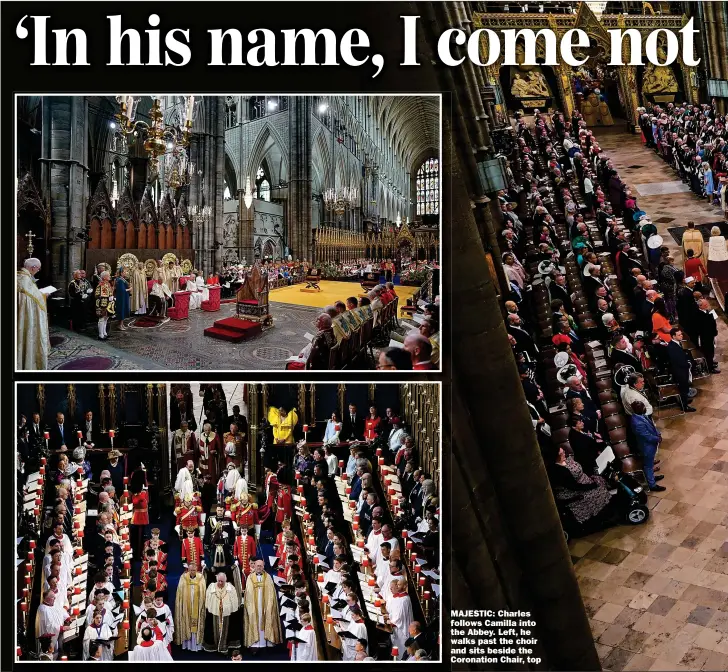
x=428, y=188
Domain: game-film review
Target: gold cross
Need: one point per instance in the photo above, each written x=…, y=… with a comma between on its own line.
x=30, y=235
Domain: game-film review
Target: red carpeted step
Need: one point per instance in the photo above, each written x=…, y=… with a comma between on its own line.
x=225, y=334
x=233, y=329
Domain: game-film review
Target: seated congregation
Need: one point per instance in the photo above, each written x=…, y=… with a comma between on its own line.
x=607, y=331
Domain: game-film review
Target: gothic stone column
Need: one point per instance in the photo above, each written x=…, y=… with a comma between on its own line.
x=65, y=148
x=299, y=184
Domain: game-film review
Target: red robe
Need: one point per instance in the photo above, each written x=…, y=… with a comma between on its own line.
x=370, y=427
x=244, y=551
x=159, y=584
x=284, y=503
x=210, y=449
x=140, y=508
x=281, y=545
x=192, y=552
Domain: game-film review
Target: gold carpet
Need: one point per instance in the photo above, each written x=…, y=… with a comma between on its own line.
x=331, y=291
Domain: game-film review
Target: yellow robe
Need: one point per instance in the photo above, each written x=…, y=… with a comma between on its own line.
x=271, y=615
x=33, y=343
x=282, y=427
x=138, y=290
x=189, y=609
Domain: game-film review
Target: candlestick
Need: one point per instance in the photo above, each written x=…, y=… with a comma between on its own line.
x=395, y=652
x=41, y=471
x=46, y=436
x=31, y=543
x=126, y=480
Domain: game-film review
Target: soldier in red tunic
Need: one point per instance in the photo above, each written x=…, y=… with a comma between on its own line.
x=192, y=550
x=244, y=550
x=246, y=514
x=187, y=513
x=139, y=518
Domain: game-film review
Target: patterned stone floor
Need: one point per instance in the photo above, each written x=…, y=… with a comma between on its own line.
x=657, y=594
x=183, y=346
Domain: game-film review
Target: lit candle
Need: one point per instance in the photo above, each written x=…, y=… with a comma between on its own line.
x=377, y=602
x=79, y=496
x=422, y=581
x=381, y=461
x=355, y=526
x=413, y=557
x=387, y=481
x=126, y=584
x=19, y=651
x=112, y=433
x=395, y=652
x=316, y=560
x=43, y=459
x=321, y=577
x=31, y=543
x=64, y=658
x=379, y=451
x=303, y=502
x=344, y=477
x=80, y=534
x=36, y=512
x=365, y=562
x=126, y=480
x=77, y=590
x=79, y=484
x=409, y=545
x=76, y=611
x=78, y=571
x=126, y=624
x=29, y=567
x=348, y=489
x=307, y=516
x=24, y=606
x=41, y=471
x=405, y=534
x=127, y=548
x=305, y=429
x=352, y=504
x=40, y=482
x=325, y=599
x=25, y=592
x=126, y=493
x=372, y=581
x=125, y=604
x=79, y=551
x=426, y=595
x=418, y=569
x=80, y=470
x=30, y=556
x=298, y=475
x=127, y=564
x=341, y=464
x=356, y=517
x=79, y=433
x=300, y=489
x=46, y=436
x=360, y=543
x=76, y=525
x=77, y=510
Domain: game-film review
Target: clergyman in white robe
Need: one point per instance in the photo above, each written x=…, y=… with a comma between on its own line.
x=32, y=328
x=399, y=608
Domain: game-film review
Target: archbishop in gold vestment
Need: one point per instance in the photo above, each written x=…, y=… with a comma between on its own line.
x=262, y=619
x=189, y=612
x=33, y=343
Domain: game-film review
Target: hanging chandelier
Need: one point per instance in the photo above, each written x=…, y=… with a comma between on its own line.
x=158, y=137
x=178, y=169
x=340, y=200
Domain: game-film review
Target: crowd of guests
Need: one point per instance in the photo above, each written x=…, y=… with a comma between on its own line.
x=694, y=141
x=232, y=595
x=588, y=274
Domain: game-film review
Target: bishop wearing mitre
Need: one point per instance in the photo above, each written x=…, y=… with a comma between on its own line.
x=262, y=619
x=33, y=343
x=189, y=609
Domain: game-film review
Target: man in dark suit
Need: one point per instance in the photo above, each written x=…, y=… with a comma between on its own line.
x=621, y=356
x=559, y=290
x=353, y=426
x=524, y=342
x=419, y=639
x=90, y=428
x=239, y=419
x=707, y=330
x=35, y=429
x=680, y=367
x=60, y=433
x=687, y=308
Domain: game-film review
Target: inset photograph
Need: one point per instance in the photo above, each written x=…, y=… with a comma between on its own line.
x=249, y=521
x=187, y=232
